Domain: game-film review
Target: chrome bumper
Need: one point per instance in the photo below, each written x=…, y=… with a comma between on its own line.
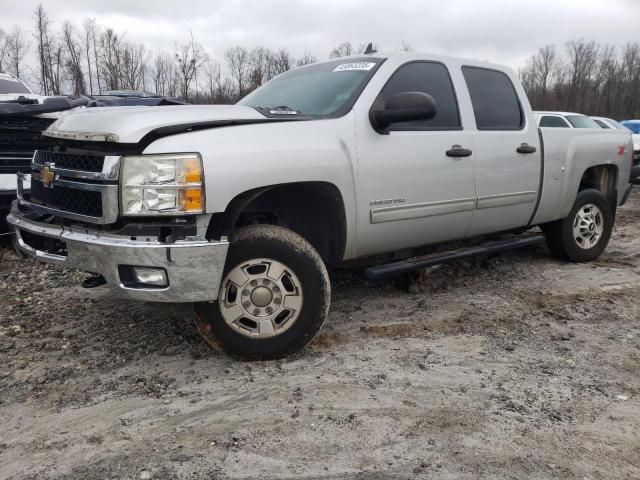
x=194, y=267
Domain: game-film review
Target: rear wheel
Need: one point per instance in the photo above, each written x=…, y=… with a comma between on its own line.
x=585, y=233
x=274, y=296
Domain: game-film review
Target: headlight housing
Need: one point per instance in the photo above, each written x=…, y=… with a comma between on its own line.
x=171, y=184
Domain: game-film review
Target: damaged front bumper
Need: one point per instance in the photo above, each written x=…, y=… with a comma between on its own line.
x=193, y=268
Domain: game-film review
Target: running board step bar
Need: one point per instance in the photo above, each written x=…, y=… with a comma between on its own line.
x=379, y=272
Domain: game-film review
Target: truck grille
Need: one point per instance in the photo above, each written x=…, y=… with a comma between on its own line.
x=82, y=202
x=82, y=162
x=75, y=184
x=19, y=138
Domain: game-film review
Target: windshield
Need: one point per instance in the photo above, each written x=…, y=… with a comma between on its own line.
x=324, y=89
x=11, y=86
x=580, y=121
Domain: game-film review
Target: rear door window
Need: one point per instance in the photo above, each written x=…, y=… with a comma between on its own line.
x=495, y=102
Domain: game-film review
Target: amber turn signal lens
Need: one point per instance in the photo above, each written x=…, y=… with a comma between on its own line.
x=192, y=171
x=192, y=200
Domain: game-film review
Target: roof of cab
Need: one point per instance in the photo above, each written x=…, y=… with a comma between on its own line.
x=409, y=56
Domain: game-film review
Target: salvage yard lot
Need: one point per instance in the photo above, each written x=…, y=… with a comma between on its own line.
x=513, y=366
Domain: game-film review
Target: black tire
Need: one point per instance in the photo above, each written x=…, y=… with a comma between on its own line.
x=560, y=237
x=290, y=249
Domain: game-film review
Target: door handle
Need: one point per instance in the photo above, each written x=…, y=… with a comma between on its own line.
x=525, y=148
x=458, y=152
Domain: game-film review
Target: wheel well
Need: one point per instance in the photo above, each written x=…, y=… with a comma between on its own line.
x=603, y=178
x=314, y=210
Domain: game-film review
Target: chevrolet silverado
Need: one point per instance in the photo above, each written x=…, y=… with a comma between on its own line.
x=397, y=161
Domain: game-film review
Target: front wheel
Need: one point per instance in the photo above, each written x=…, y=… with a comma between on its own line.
x=273, y=298
x=585, y=233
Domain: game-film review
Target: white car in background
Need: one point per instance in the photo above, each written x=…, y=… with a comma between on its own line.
x=608, y=123
x=564, y=120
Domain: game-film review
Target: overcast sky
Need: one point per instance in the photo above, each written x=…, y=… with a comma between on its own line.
x=504, y=31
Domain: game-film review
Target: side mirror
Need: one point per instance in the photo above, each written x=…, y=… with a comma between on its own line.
x=404, y=107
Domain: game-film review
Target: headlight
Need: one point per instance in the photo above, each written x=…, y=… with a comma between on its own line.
x=162, y=184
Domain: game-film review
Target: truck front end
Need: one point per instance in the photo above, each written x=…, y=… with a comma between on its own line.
x=138, y=220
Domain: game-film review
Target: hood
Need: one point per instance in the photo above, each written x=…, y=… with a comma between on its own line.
x=131, y=124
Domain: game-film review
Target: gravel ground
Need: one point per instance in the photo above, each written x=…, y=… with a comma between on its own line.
x=514, y=366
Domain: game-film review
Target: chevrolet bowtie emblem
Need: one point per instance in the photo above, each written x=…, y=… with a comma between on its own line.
x=47, y=175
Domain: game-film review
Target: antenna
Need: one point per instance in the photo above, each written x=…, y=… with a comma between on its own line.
x=369, y=49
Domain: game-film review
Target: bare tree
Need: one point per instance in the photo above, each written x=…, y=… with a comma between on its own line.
x=237, y=59
x=94, y=34
x=110, y=64
x=306, y=59
x=88, y=34
x=536, y=77
x=17, y=45
x=219, y=89
x=50, y=54
x=73, y=58
x=343, y=50
x=261, y=62
x=189, y=57
x=163, y=74
x=582, y=61
x=213, y=74
x=4, y=49
x=281, y=62
x=544, y=63
x=605, y=85
x=134, y=66
x=630, y=77
x=42, y=36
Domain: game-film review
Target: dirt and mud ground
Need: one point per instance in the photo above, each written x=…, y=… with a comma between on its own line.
x=515, y=366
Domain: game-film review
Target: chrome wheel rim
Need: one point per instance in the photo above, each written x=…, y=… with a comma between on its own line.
x=588, y=226
x=260, y=298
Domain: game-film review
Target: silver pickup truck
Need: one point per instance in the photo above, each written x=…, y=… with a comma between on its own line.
x=239, y=209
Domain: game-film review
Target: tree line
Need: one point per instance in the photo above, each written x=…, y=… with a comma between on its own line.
x=585, y=77
x=92, y=59
x=581, y=76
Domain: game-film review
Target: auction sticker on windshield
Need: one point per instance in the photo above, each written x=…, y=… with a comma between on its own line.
x=283, y=112
x=347, y=67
